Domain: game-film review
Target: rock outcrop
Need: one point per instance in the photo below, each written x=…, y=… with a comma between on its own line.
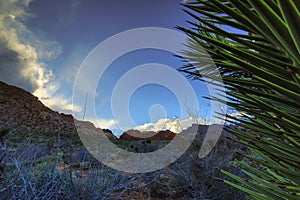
x=164, y=135
x=109, y=134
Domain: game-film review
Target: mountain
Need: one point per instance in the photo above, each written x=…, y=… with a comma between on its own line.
x=21, y=110
x=166, y=135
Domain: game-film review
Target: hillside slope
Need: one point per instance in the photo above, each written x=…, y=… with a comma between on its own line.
x=21, y=110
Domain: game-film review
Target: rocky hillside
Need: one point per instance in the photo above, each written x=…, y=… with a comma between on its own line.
x=21, y=110
x=138, y=135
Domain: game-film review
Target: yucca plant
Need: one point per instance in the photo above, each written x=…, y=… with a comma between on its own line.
x=255, y=45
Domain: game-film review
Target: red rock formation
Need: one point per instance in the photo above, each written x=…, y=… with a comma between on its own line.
x=67, y=117
x=108, y=133
x=166, y=135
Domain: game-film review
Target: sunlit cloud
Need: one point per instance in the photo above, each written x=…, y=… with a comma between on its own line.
x=102, y=123
x=175, y=125
x=23, y=57
x=55, y=101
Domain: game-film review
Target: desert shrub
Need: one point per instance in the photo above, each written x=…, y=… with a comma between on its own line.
x=31, y=172
x=202, y=177
x=196, y=178
x=68, y=171
x=193, y=178
x=140, y=146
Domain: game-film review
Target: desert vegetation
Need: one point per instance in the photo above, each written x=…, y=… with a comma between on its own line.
x=33, y=169
x=257, y=156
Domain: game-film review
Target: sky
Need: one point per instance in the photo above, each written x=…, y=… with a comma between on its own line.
x=44, y=45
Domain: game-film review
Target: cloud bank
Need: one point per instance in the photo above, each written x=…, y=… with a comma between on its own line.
x=22, y=56
x=174, y=125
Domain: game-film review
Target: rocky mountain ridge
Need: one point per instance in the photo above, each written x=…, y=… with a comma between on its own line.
x=163, y=135
x=21, y=110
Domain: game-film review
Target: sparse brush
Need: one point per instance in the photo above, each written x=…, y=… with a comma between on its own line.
x=31, y=172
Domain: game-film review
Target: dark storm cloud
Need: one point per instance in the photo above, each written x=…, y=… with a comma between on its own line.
x=21, y=50
x=11, y=69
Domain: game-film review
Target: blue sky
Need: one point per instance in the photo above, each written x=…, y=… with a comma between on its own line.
x=47, y=41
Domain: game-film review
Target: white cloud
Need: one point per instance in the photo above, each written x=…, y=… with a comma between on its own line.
x=174, y=125
x=22, y=55
x=102, y=123
x=55, y=101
